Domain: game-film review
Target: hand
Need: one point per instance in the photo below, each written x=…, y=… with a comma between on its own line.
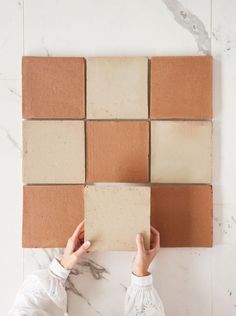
x=75, y=248
x=143, y=257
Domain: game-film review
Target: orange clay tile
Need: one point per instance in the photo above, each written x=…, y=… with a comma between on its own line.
x=50, y=214
x=181, y=87
x=182, y=214
x=53, y=87
x=117, y=151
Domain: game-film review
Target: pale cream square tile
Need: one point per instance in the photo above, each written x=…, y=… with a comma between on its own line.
x=53, y=152
x=181, y=151
x=117, y=87
x=115, y=214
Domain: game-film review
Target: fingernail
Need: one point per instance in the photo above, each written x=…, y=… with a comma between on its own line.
x=87, y=243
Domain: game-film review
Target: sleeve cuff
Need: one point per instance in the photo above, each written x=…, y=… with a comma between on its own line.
x=141, y=281
x=57, y=269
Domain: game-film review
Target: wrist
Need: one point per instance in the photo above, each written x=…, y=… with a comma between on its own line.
x=141, y=273
x=65, y=263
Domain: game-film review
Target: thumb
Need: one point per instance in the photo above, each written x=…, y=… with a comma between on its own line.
x=82, y=249
x=140, y=243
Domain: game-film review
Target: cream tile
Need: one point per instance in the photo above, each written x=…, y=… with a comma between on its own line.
x=115, y=214
x=181, y=151
x=53, y=152
x=117, y=87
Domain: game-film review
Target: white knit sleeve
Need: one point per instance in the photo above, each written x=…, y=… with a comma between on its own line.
x=43, y=293
x=142, y=299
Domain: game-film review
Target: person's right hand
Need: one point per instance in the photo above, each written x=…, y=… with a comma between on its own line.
x=75, y=248
x=143, y=257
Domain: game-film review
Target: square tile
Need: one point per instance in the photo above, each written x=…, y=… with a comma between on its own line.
x=53, y=87
x=115, y=214
x=181, y=87
x=181, y=151
x=182, y=214
x=117, y=151
x=53, y=152
x=117, y=87
x=50, y=214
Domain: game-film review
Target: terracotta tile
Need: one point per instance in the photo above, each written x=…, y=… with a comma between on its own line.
x=53, y=152
x=53, y=87
x=117, y=87
x=181, y=87
x=182, y=214
x=115, y=214
x=117, y=151
x=50, y=214
x=181, y=151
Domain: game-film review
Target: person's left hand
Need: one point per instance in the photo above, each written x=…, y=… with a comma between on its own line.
x=75, y=248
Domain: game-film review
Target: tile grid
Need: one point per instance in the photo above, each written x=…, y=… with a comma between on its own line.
x=149, y=120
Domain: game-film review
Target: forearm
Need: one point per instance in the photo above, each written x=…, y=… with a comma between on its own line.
x=43, y=293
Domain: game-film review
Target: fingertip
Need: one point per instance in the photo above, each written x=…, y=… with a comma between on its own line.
x=87, y=243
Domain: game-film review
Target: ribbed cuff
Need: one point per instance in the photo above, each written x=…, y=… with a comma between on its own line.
x=56, y=268
x=141, y=281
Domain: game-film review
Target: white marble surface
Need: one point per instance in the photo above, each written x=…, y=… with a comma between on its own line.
x=190, y=281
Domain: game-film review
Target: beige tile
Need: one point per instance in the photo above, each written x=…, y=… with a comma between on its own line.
x=115, y=214
x=117, y=87
x=53, y=152
x=181, y=151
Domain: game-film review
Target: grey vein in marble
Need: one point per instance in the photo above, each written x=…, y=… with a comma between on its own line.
x=94, y=268
x=191, y=23
x=11, y=138
x=44, y=46
x=15, y=93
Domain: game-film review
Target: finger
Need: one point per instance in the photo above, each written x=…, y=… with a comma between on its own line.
x=79, y=229
x=83, y=248
x=81, y=235
x=155, y=238
x=140, y=243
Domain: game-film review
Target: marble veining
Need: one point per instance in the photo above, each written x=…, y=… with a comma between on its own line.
x=11, y=139
x=192, y=23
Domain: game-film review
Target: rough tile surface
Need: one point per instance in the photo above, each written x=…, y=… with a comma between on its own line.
x=53, y=87
x=115, y=214
x=117, y=151
x=182, y=214
x=53, y=152
x=181, y=87
x=181, y=151
x=117, y=87
x=50, y=214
